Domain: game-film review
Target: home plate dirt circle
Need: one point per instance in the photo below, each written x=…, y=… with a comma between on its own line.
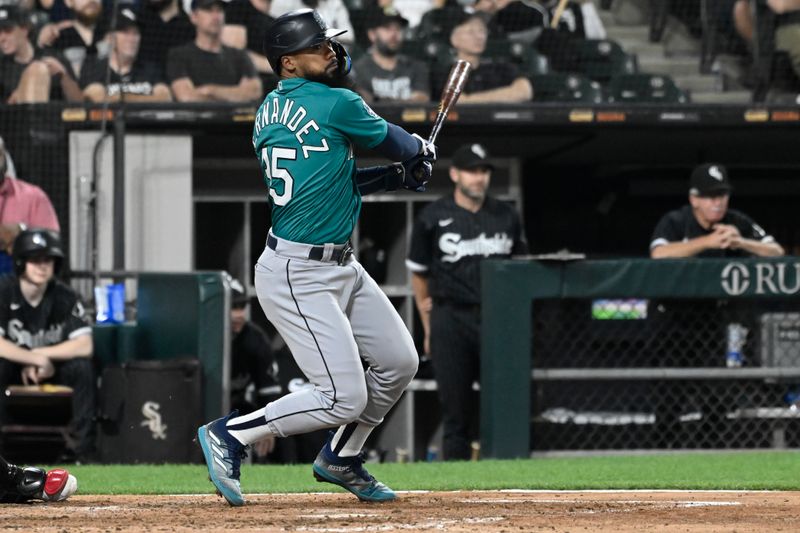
x=465, y=511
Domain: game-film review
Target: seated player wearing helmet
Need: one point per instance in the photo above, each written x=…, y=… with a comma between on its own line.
x=44, y=334
x=21, y=485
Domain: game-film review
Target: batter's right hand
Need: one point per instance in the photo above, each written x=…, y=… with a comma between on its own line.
x=420, y=167
x=426, y=148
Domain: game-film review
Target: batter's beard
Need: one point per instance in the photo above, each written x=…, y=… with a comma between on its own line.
x=335, y=81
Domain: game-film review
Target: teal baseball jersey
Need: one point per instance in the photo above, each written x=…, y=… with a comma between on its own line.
x=303, y=136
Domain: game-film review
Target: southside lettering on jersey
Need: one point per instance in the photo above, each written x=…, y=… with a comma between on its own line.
x=58, y=317
x=302, y=137
x=455, y=248
x=449, y=242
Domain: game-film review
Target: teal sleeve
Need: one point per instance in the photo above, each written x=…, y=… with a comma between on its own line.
x=357, y=121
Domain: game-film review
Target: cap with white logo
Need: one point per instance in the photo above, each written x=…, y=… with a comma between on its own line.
x=710, y=179
x=11, y=15
x=471, y=156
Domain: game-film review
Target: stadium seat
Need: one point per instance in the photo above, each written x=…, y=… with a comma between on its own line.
x=524, y=55
x=556, y=87
x=430, y=51
x=645, y=88
x=601, y=59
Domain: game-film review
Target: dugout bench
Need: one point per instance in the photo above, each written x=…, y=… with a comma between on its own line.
x=36, y=422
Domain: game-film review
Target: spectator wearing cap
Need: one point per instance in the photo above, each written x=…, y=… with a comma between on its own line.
x=491, y=79
x=163, y=25
x=128, y=79
x=26, y=74
x=79, y=37
x=384, y=74
x=22, y=205
x=246, y=23
x=449, y=240
x=333, y=12
x=206, y=70
x=707, y=227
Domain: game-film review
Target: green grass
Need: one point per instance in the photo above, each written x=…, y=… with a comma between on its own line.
x=730, y=470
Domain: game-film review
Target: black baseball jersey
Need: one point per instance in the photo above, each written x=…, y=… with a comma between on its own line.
x=58, y=317
x=252, y=361
x=448, y=243
x=681, y=225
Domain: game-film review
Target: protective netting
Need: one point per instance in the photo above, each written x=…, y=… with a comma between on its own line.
x=638, y=374
x=580, y=51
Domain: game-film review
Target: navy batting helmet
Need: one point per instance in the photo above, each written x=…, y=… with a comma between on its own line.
x=295, y=31
x=37, y=242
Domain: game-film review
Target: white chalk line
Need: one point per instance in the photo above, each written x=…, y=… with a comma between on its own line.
x=654, y=503
x=435, y=524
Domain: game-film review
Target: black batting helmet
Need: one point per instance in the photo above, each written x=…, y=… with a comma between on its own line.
x=37, y=242
x=295, y=31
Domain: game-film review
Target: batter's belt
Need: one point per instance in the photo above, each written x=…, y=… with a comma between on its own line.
x=334, y=253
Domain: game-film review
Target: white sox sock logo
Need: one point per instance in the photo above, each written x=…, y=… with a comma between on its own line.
x=153, y=422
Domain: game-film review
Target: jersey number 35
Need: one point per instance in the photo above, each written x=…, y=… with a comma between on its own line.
x=275, y=172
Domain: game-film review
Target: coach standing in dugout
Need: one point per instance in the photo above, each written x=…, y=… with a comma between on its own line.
x=450, y=239
x=706, y=227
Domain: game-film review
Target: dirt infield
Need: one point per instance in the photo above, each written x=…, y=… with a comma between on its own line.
x=489, y=512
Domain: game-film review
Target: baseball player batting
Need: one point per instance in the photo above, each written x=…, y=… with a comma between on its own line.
x=329, y=311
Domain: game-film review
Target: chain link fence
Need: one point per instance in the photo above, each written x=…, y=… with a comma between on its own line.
x=665, y=374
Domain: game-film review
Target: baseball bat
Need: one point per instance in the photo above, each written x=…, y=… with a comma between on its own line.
x=558, y=12
x=452, y=90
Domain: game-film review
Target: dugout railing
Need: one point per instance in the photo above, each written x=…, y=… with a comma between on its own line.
x=632, y=354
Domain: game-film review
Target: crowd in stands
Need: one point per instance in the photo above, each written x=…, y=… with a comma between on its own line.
x=211, y=50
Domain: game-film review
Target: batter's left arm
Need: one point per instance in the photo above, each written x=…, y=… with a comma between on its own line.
x=379, y=179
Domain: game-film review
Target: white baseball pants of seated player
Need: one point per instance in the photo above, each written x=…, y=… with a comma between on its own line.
x=332, y=316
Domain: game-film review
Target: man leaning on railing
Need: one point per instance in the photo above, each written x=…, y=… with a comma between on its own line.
x=706, y=227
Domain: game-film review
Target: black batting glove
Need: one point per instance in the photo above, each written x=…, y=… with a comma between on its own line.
x=418, y=169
